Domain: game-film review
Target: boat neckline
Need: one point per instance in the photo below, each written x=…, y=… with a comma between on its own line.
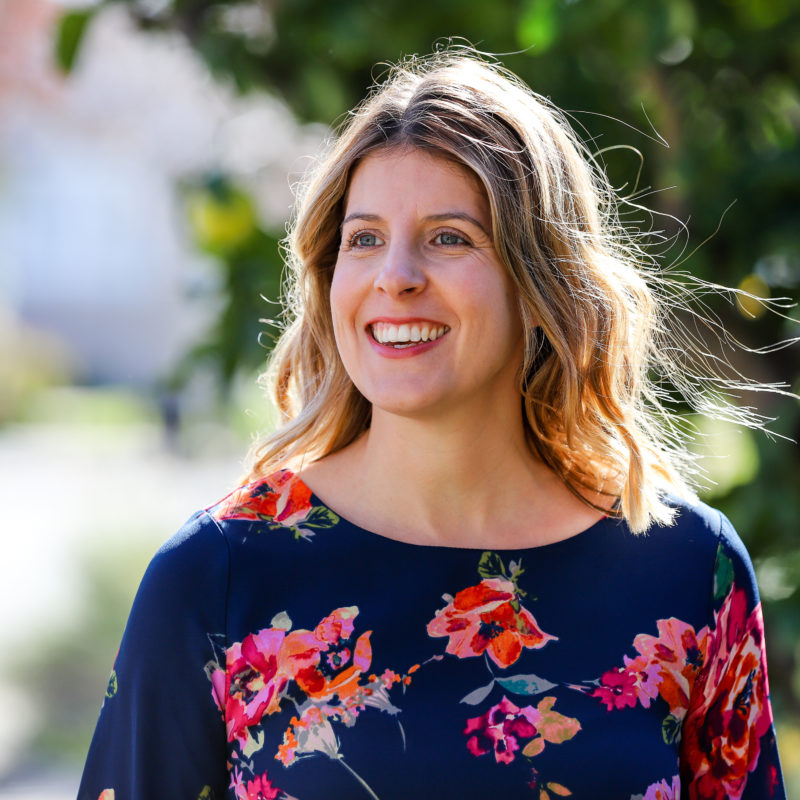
x=566, y=541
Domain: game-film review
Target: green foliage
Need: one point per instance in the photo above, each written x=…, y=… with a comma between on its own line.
x=69, y=36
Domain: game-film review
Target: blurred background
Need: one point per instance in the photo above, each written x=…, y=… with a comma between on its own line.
x=147, y=154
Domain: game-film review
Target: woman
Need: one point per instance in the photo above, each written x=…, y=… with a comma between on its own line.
x=467, y=564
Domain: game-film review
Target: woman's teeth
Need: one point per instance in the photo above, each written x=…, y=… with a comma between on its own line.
x=406, y=335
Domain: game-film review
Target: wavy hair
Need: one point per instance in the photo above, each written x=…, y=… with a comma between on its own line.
x=594, y=309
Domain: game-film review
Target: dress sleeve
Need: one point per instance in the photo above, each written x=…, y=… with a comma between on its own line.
x=728, y=747
x=160, y=733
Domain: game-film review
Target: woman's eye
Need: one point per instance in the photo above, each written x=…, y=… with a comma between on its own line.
x=365, y=240
x=450, y=239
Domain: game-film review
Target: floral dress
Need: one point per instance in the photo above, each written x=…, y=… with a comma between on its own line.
x=277, y=651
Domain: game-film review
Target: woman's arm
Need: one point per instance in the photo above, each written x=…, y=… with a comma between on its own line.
x=160, y=733
x=728, y=747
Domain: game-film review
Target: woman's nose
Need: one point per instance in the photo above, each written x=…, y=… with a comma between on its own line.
x=400, y=272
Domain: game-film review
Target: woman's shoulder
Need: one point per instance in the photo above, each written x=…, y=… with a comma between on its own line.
x=709, y=535
x=278, y=500
x=703, y=524
x=265, y=497
x=698, y=537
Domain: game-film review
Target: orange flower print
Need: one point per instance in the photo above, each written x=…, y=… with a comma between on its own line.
x=281, y=497
x=281, y=500
x=322, y=662
x=106, y=794
x=729, y=710
x=488, y=618
x=679, y=654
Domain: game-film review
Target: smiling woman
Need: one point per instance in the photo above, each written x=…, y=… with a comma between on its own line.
x=434, y=582
x=415, y=256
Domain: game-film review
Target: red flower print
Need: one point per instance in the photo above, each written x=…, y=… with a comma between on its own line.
x=500, y=729
x=617, y=689
x=338, y=673
x=260, y=788
x=729, y=710
x=488, y=618
x=281, y=497
x=252, y=682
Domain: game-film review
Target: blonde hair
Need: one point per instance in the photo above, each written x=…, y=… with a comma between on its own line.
x=595, y=332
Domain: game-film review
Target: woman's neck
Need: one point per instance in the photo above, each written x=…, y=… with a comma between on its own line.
x=456, y=483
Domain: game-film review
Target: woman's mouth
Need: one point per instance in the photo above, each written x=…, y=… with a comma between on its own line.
x=406, y=334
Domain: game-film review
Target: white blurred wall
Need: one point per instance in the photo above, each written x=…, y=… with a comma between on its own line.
x=92, y=242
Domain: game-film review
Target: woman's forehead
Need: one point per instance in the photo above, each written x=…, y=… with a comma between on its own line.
x=390, y=176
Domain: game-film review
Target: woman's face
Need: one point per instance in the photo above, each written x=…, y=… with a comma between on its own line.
x=423, y=311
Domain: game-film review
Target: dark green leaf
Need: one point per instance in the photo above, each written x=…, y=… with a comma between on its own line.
x=723, y=574
x=320, y=517
x=671, y=729
x=70, y=33
x=491, y=565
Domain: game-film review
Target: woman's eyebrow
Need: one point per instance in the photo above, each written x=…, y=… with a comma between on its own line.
x=443, y=217
x=361, y=215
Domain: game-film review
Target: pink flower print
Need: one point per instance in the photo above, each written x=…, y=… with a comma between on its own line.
x=337, y=625
x=679, y=653
x=663, y=790
x=647, y=677
x=488, y=618
x=338, y=659
x=260, y=788
x=310, y=733
x=500, y=729
x=389, y=677
x=253, y=682
x=617, y=689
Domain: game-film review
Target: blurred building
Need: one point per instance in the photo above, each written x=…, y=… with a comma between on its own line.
x=93, y=246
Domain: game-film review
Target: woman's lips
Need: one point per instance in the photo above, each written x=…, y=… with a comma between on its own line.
x=405, y=338
x=406, y=333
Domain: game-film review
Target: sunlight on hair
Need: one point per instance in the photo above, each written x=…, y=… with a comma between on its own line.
x=618, y=341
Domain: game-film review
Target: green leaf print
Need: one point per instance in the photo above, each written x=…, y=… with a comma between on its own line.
x=723, y=574
x=525, y=684
x=254, y=743
x=491, y=566
x=111, y=690
x=670, y=729
x=552, y=726
x=320, y=517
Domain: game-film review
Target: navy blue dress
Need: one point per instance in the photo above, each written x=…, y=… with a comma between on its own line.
x=277, y=651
